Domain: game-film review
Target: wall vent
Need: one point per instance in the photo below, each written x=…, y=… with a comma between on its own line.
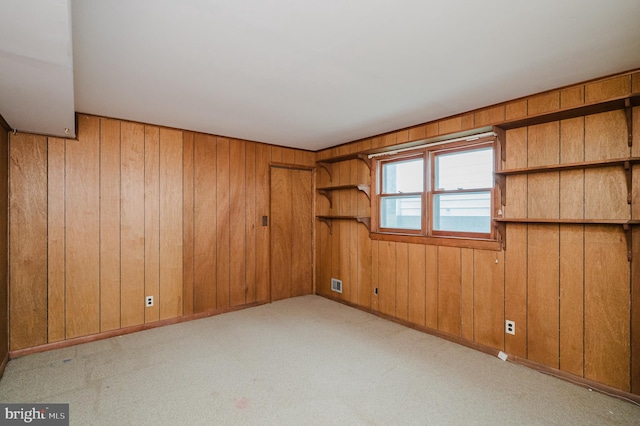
x=336, y=285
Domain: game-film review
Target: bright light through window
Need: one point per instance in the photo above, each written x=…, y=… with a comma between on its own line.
x=464, y=170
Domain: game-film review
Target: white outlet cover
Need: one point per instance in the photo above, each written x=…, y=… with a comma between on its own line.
x=148, y=301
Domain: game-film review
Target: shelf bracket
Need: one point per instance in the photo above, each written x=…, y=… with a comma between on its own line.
x=366, y=221
x=628, y=109
x=366, y=189
x=502, y=138
x=328, y=222
x=328, y=195
x=501, y=228
x=327, y=167
x=627, y=231
x=366, y=159
x=628, y=170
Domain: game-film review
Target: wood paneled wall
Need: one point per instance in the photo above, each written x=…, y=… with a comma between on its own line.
x=4, y=245
x=131, y=210
x=570, y=289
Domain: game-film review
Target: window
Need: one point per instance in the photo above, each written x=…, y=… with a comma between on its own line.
x=443, y=191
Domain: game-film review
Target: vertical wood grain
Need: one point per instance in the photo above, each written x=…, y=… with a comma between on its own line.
x=387, y=277
x=55, y=241
x=449, y=276
x=237, y=222
x=606, y=307
x=516, y=288
x=205, y=226
x=488, y=298
x=27, y=241
x=571, y=298
x=82, y=217
x=251, y=222
x=467, y=294
x=109, y=224
x=171, y=222
x=188, y=226
x=132, y=224
x=263, y=157
x=417, y=284
x=301, y=232
x=542, y=294
x=4, y=246
x=402, y=281
x=281, y=217
x=543, y=189
x=152, y=221
x=222, y=222
x=572, y=181
x=431, y=287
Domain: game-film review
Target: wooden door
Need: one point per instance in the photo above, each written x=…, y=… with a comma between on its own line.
x=291, y=232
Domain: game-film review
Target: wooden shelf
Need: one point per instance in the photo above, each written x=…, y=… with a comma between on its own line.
x=624, y=162
x=327, y=163
x=625, y=223
x=571, y=166
x=366, y=221
x=626, y=103
x=327, y=191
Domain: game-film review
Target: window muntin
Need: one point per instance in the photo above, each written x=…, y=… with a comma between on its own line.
x=446, y=190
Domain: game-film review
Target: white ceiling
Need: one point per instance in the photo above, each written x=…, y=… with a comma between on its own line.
x=304, y=74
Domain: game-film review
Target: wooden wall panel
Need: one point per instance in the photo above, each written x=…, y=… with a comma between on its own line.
x=82, y=212
x=263, y=157
x=188, y=226
x=543, y=189
x=572, y=96
x=606, y=307
x=237, y=222
x=152, y=221
x=387, y=277
x=571, y=298
x=109, y=223
x=467, y=293
x=55, y=242
x=205, y=225
x=170, y=223
x=488, y=298
x=607, y=89
x=251, y=221
x=364, y=242
x=449, y=290
x=222, y=222
x=281, y=218
x=543, y=103
x=572, y=181
x=431, y=287
x=132, y=224
x=4, y=243
x=542, y=294
x=27, y=240
x=515, y=297
x=417, y=273
x=402, y=281
x=301, y=232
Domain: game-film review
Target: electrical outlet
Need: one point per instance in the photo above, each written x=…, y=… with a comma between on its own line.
x=510, y=327
x=148, y=301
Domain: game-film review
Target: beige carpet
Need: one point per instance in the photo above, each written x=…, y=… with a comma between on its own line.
x=306, y=360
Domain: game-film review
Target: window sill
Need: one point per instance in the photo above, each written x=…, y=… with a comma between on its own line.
x=472, y=243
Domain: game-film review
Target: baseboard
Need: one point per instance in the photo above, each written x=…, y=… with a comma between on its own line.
x=577, y=380
x=126, y=330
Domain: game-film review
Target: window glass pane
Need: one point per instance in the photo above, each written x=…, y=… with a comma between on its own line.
x=464, y=170
x=402, y=176
x=401, y=212
x=466, y=212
